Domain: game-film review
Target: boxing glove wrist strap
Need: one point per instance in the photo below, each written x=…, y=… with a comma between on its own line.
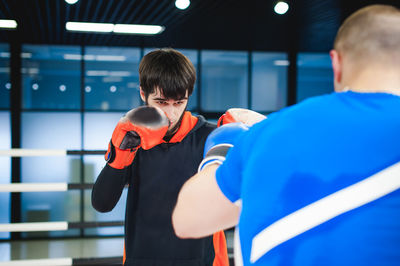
x=216, y=155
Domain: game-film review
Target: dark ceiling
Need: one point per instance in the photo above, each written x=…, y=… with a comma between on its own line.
x=309, y=25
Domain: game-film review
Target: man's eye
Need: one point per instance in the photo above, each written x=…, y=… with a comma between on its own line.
x=179, y=103
x=162, y=102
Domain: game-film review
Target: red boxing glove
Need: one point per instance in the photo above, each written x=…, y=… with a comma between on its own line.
x=246, y=116
x=143, y=127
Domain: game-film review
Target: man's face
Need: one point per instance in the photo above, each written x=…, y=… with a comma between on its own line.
x=173, y=108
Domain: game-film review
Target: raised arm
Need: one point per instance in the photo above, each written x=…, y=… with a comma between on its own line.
x=143, y=127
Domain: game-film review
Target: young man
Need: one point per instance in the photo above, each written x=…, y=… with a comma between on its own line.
x=317, y=183
x=155, y=149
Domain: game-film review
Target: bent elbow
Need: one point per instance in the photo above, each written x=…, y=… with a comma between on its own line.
x=100, y=204
x=182, y=229
x=181, y=232
x=101, y=207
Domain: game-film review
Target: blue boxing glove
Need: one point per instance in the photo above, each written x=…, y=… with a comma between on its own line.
x=219, y=142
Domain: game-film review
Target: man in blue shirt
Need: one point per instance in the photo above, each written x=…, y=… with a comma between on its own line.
x=316, y=183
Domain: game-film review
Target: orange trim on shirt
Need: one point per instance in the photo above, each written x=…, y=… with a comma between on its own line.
x=124, y=257
x=220, y=249
x=187, y=124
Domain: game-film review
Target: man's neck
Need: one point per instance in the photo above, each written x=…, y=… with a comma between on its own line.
x=374, y=80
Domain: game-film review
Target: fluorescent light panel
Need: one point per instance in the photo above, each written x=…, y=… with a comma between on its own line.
x=106, y=73
x=90, y=57
x=8, y=24
x=116, y=28
x=138, y=29
x=71, y=2
x=89, y=27
x=23, y=55
x=110, y=58
x=281, y=62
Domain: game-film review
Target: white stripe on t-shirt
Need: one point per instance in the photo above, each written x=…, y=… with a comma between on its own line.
x=308, y=217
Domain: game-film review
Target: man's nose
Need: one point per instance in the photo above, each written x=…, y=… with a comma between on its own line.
x=171, y=112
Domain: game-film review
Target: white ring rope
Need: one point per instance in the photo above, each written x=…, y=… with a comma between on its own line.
x=33, y=187
x=44, y=262
x=37, y=262
x=34, y=227
x=32, y=152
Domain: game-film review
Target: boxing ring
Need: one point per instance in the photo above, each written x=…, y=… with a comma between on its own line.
x=57, y=225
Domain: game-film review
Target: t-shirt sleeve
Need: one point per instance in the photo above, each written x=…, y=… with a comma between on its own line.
x=229, y=174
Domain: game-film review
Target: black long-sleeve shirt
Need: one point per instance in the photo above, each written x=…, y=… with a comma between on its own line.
x=155, y=178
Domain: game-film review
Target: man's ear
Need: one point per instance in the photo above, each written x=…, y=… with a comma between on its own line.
x=337, y=66
x=142, y=95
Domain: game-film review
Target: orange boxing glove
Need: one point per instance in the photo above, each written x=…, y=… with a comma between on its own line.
x=143, y=127
x=246, y=116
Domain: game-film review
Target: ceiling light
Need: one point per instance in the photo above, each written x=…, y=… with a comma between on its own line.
x=89, y=27
x=33, y=71
x=281, y=8
x=26, y=55
x=117, y=28
x=8, y=85
x=30, y=71
x=62, y=87
x=90, y=57
x=113, y=89
x=281, y=62
x=72, y=56
x=23, y=55
x=138, y=29
x=105, y=106
x=35, y=86
x=110, y=58
x=96, y=73
x=182, y=4
x=88, y=89
x=8, y=24
x=71, y=2
x=111, y=79
x=120, y=73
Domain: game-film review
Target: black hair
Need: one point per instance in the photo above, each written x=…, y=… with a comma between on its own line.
x=168, y=70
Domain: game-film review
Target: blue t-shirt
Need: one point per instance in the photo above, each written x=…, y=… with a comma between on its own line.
x=286, y=164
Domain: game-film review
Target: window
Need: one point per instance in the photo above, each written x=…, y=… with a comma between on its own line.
x=96, y=137
x=5, y=173
x=314, y=75
x=111, y=78
x=224, y=80
x=5, y=84
x=51, y=130
x=51, y=77
x=269, y=81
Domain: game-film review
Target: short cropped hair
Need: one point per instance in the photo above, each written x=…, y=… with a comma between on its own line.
x=168, y=70
x=371, y=34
